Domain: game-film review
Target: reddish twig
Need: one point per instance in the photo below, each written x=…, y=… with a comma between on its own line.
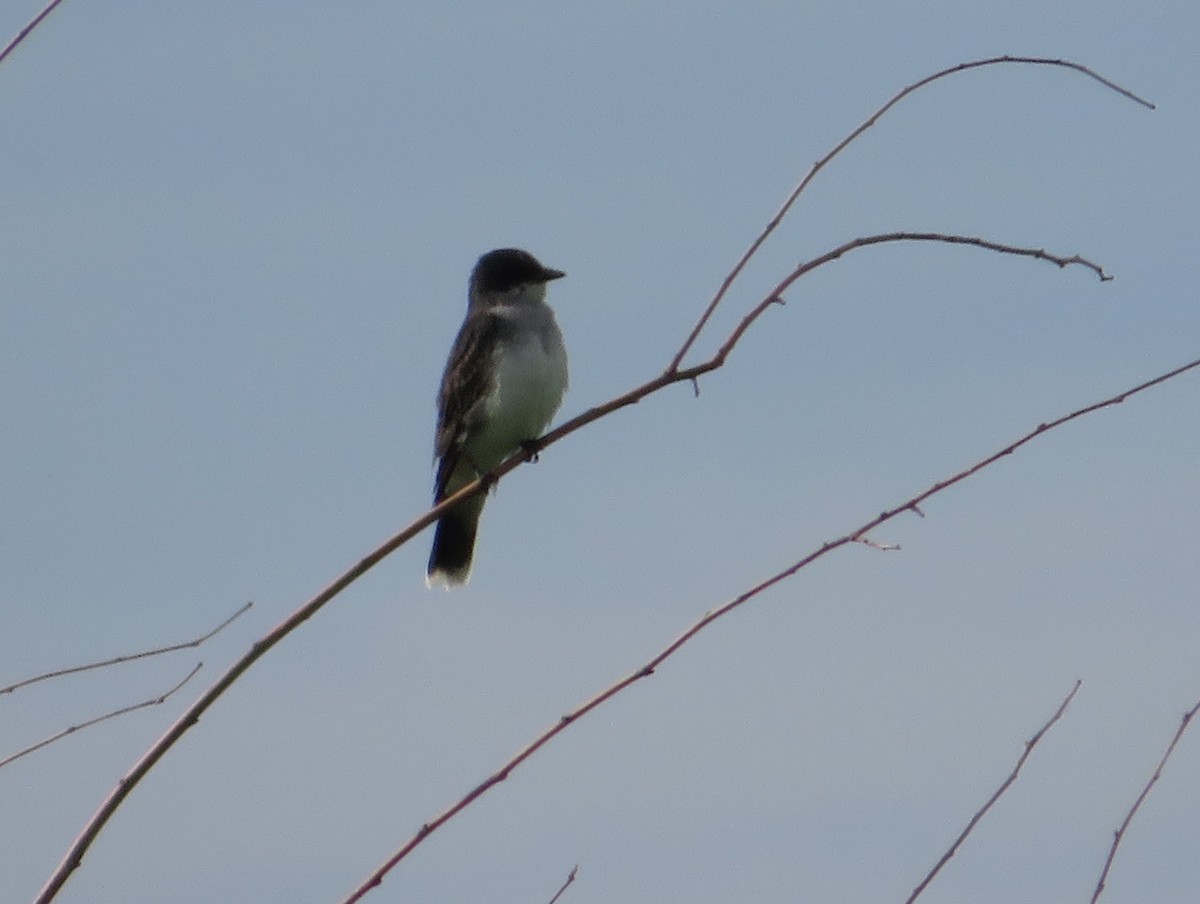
x=1120, y=832
x=1004, y=786
x=775, y=296
x=855, y=536
x=723, y=289
x=570, y=879
x=24, y=32
x=155, y=701
x=129, y=657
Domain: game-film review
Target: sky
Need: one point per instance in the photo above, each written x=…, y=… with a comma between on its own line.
x=234, y=244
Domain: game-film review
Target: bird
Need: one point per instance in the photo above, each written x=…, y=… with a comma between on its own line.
x=503, y=382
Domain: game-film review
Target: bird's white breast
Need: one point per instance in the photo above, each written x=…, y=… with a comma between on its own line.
x=530, y=379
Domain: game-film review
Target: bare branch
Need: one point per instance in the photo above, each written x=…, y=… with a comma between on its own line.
x=723, y=289
x=154, y=701
x=1004, y=786
x=24, y=32
x=1120, y=832
x=911, y=505
x=130, y=657
x=570, y=879
x=775, y=295
x=949, y=238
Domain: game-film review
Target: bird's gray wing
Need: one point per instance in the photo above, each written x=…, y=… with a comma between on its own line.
x=466, y=385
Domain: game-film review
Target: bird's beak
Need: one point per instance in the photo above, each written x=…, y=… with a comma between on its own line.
x=548, y=274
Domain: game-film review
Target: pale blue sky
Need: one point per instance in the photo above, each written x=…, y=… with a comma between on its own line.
x=234, y=241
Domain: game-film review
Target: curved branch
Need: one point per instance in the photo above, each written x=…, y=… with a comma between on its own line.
x=841, y=146
x=854, y=536
x=775, y=296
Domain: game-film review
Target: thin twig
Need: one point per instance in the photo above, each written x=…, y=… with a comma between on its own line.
x=723, y=289
x=1120, y=832
x=775, y=295
x=154, y=701
x=570, y=879
x=1004, y=786
x=130, y=657
x=24, y=32
x=854, y=536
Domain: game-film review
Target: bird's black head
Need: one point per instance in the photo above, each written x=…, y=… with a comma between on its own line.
x=507, y=268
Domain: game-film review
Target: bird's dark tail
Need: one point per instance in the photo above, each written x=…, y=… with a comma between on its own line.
x=454, y=545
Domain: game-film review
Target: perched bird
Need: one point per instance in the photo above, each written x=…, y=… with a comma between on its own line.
x=505, y=379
